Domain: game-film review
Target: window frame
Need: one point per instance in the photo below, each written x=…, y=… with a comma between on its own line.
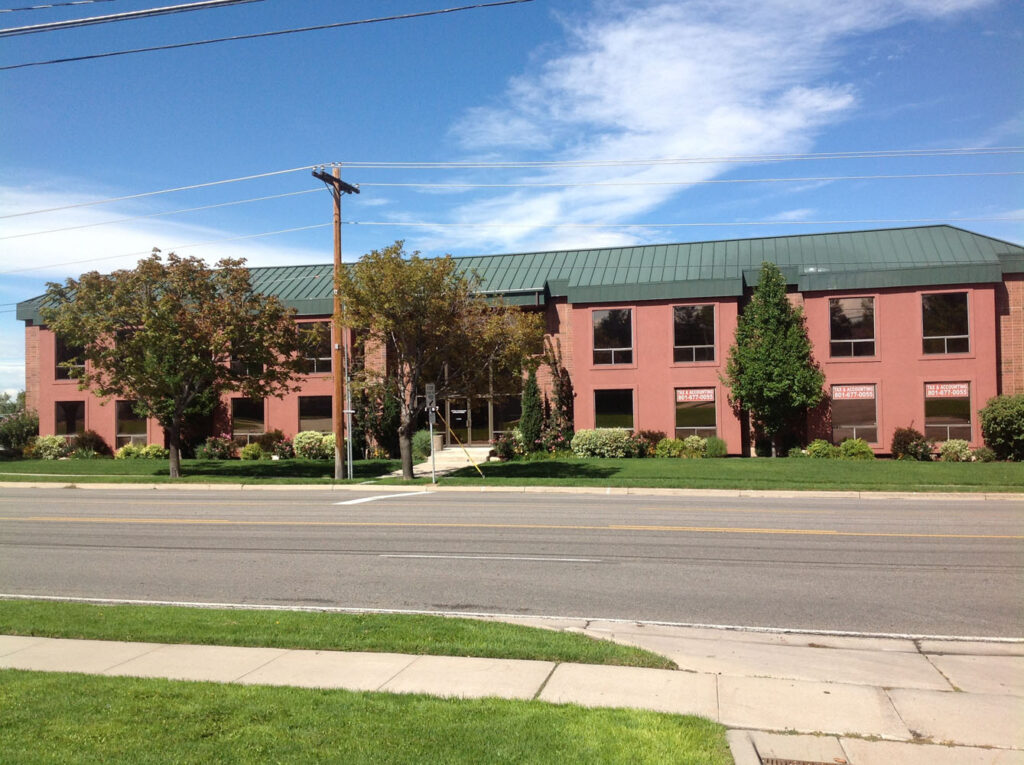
x=693, y=348
x=946, y=338
x=854, y=342
x=947, y=426
x=121, y=439
x=329, y=418
x=63, y=373
x=320, y=365
x=247, y=437
x=57, y=420
x=703, y=431
x=854, y=428
x=630, y=349
x=632, y=408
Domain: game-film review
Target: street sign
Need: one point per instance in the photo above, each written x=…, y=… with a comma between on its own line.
x=431, y=395
x=432, y=415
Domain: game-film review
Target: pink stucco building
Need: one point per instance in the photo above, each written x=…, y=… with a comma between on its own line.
x=912, y=327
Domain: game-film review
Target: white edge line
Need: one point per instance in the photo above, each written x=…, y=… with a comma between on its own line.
x=381, y=496
x=491, y=557
x=478, y=615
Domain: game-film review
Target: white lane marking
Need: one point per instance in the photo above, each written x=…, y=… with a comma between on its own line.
x=478, y=614
x=381, y=496
x=493, y=557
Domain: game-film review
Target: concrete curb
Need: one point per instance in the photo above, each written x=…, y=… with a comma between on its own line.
x=605, y=490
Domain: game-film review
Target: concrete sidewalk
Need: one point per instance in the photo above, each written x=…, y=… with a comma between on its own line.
x=448, y=460
x=867, y=701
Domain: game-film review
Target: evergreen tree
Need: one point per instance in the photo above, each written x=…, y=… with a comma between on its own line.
x=771, y=370
x=530, y=423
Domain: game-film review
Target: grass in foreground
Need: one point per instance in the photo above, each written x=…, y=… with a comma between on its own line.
x=295, y=471
x=734, y=473
x=80, y=718
x=395, y=633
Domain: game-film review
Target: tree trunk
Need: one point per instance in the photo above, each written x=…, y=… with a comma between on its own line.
x=405, y=448
x=174, y=442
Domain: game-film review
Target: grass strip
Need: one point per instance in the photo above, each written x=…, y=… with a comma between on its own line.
x=387, y=633
x=56, y=717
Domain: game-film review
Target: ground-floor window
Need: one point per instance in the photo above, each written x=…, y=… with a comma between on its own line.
x=695, y=412
x=854, y=413
x=947, y=411
x=613, y=408
x=508, y=410
x=247, y=422
x=70, y=418
x=131, y=429
x=315, y=413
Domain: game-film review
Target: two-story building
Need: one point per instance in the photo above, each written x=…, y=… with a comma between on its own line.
x=912, y=327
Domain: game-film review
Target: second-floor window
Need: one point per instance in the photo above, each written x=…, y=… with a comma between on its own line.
x=69, y=361
x=851, y=326
x=318, y=358
x=944, y=322
x=694, y=328
x=613, y=336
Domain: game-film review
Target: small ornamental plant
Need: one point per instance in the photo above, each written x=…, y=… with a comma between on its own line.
x=855, y=449
x=910, y=444
x=51, y=447
x=820, y=449
x=956, y=450
x=220, y=447
x=251, y=451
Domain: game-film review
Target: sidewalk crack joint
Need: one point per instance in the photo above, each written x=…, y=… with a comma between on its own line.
x=544, y=684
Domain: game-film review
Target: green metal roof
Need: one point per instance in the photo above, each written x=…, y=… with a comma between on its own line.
x=903, y=257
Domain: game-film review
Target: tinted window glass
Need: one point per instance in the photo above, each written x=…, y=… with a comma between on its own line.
x=613, y=408
x=944, y=318
x=613, y=336
x=852, y=326
x=694, y=328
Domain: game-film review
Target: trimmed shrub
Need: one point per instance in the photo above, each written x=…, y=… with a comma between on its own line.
x=421, y=444
x=50, y=447
x=86, y=454
x=716, y=447
x=669, y=448
x=820, y=449
x=90, y=441
x=251, y=451
x=1002, y=426
x=910, y=444
x=148, y=452
x=855, y=449
x=309, y=445
x=604, y=442
x=267, y=441
x=217, y=448
x=19, y=430
x=504, y=447
x=127, y=452
x=797, y=452
x=956, y=450
x=532, y=419
x=984, y=454
x=284, y=450
x=694, y=447
x=647, y=441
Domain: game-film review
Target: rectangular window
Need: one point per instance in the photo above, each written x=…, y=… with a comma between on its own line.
x=947, y=411
x=70, y=418
x=131, y=429
x=694, y=333
x=944, y=318
x=318, y=360
x=852, y=326
x=695, y=412
x=315, y=413
x=613, y=336
x=853, y=413
x=508, y=410
x=69, y=360
x=613, y=408
x=246, y=419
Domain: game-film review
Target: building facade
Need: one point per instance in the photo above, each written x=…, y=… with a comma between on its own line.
x=914, y=327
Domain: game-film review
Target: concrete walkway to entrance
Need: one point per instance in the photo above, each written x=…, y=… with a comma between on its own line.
x=786, y=697
x=448, y=460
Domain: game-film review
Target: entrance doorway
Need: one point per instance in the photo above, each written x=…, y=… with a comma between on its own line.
x=470, y=419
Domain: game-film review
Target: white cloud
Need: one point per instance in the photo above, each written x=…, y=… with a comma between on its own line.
x=666, y=79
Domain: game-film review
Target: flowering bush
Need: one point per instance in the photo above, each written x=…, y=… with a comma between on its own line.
x=647, y=442
x=284, y=450
x=694, y=447
x=50, y=447
x=910, y=444
x=313, y=445
x=604, y=442
x=553, y=440
x=956, y=450
x=217, y=448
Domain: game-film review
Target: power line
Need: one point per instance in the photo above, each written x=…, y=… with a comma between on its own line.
x=257, y=35
x=685, y=183
x=167, y=10
x=159, y=214
x=526, y=165
x=52, y=5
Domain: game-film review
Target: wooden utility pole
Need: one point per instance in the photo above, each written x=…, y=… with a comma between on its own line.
x=337, y=187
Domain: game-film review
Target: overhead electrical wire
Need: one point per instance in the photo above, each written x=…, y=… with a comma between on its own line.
x=258, y=35
x=88, y=21
x=47, y=6
x=526, y=165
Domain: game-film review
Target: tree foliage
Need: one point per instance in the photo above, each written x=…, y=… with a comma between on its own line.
x=531, y=420
x=1002, y=426
x=562, y=406
x=174, y=335
x=436, y=329
x=771, y=369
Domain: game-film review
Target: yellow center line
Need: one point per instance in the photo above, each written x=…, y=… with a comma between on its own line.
x=531, y=526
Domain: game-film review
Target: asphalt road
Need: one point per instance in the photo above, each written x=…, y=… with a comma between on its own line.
x=894, y=566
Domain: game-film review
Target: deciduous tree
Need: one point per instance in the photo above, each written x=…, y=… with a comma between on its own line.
x=174, y=335
x=771, y=369
x=436, y=329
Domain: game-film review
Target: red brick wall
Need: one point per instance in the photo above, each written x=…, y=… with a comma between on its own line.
x=32, y=367
x=1010, y=327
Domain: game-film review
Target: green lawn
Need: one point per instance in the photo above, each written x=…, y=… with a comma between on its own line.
x=54, y=717
x=734, y=473
x=194, y=471
x=394, y=633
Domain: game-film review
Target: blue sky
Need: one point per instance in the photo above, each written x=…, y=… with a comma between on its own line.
x=592, y=82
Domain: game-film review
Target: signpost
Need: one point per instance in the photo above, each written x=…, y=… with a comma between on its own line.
x=431, y=419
